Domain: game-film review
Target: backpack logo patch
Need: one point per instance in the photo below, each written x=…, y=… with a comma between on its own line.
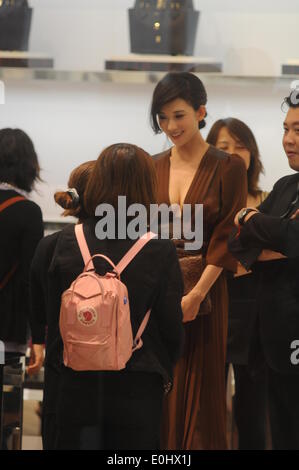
x=87, y=316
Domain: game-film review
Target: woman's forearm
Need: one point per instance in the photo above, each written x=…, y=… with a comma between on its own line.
x=206, y=281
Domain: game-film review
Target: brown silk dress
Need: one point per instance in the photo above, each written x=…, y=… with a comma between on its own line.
x=195, y=409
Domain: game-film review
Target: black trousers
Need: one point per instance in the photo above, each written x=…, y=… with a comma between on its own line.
x=250, y=400
x=249, y=406
x=116, y=410
x=49, y=431
x=284, y=410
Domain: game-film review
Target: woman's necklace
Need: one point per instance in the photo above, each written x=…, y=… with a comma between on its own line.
x=10, y=187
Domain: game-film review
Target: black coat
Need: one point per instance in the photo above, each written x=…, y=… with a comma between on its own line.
x=21, y=228
x=153, y=280
x=278, y=291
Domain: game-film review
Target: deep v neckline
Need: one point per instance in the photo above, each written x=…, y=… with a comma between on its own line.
x=196, y=177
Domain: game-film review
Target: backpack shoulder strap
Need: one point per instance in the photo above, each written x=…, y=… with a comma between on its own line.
x=11, y=201
x=83, y=245
x=124, y=261
x=137, y=344
x=3, y=206
x=134, y=250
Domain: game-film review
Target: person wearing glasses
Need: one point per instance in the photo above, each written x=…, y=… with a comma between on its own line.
x=271, y=234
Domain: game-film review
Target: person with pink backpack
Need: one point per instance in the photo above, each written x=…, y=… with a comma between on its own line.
x=118, y=304
x=43, y=324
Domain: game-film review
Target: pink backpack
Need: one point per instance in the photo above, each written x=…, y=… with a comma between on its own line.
x=94, y=318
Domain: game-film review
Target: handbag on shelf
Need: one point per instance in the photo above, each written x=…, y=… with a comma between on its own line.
x=192, y=267
x=163, y=27
x=15, y=23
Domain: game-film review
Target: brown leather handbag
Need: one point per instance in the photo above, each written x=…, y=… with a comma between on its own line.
x=192, y=267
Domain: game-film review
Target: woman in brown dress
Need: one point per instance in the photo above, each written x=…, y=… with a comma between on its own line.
x=193, y=172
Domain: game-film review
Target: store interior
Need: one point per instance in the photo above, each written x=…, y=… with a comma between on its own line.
x=74, y=108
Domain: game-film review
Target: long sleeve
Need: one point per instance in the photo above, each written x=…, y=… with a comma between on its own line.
x=233, y=197
x=267, y=230
x=32, y=233
x=39, y=288
x=167, y=308
x=37, y=305
x=272, y=233
x=272, y=200
x=22, y=228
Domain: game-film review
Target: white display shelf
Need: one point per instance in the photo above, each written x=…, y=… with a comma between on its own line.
x=126, y=77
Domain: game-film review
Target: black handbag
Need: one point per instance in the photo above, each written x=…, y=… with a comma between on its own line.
x=15, y=22
x=163, y=27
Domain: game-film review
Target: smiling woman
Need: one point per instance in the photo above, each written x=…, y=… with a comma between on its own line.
x=235, y=137
x=194, y=172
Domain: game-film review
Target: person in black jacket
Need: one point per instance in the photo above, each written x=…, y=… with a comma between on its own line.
x=270, y=234
x=243, y=340
x=43, y=329
x=118, y=409
x=21, y=229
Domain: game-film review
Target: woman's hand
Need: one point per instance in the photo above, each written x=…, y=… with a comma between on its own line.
x=296, y=215
x=190, y=306
x=36, y=359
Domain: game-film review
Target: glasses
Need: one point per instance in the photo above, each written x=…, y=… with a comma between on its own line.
x=292, y=205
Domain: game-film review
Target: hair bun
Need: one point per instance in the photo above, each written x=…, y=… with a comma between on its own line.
x=67, y=199
x=74, y=195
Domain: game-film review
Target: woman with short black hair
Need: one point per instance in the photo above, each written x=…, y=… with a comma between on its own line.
x=192, y=172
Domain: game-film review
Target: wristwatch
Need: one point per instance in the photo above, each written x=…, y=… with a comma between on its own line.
x=243, y=213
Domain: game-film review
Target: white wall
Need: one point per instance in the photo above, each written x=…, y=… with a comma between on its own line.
x=72, y=122
x=248, y=36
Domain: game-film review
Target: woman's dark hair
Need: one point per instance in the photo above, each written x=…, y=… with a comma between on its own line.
x=121, y=170
x=175, y=85
x=77, y=180
x=241, y=132
x=18, y=160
